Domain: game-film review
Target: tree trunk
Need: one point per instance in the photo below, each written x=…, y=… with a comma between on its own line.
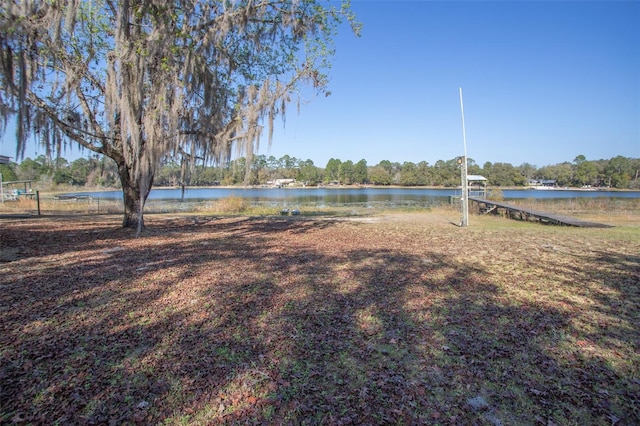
x=133, y=199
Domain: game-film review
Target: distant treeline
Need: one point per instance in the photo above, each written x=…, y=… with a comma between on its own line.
x=618, y=172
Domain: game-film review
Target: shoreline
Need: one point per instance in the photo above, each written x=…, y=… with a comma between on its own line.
x=509, y=188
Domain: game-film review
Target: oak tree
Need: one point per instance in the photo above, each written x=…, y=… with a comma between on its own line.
x=140, y=81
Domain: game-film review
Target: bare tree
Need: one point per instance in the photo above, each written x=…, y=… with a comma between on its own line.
x=142, y=80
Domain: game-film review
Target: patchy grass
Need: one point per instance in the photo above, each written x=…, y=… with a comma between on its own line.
x=228, y=206
x=622, y=211
x=383, y=319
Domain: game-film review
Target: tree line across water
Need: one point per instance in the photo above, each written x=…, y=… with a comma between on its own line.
x=618, y=172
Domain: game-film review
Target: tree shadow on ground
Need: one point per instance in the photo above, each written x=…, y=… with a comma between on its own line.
x=276, y=321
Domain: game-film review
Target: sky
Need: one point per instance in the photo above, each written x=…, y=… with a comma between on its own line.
x=542, y=82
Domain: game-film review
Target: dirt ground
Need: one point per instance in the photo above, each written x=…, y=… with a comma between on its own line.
x=400, y=318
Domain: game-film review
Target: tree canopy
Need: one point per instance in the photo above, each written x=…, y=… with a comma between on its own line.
x=618, y=172
x=140, y=81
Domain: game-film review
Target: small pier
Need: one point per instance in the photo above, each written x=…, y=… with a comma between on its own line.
x=520, y=213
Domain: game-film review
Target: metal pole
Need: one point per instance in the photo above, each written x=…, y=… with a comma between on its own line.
x=463, y=172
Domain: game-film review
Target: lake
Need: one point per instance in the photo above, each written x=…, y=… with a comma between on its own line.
x=368, y=197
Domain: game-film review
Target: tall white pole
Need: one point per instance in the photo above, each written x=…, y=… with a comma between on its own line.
x=463, y=172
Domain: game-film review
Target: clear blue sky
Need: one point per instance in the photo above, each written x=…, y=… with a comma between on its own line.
x=543, y=81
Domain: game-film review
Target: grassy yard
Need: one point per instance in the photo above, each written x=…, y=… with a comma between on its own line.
x=398, y=318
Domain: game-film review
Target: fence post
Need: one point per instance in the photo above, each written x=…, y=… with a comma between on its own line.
x=38, y=201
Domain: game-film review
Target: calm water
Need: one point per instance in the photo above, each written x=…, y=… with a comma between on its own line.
x=353, y=196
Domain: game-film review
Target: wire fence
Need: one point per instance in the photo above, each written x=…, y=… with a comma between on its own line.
x=39, y=205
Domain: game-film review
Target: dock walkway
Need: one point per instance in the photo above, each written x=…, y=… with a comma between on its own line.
x=521, y=213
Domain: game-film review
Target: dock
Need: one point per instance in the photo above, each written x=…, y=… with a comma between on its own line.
x=521, y=213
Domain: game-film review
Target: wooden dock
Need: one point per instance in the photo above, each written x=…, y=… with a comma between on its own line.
x=521, y=213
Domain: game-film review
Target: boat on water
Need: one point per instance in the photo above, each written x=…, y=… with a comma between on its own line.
x=542, y=188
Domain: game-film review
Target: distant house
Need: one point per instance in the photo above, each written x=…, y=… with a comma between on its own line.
x=4, y=159
x=546, y=183
x=279, y=183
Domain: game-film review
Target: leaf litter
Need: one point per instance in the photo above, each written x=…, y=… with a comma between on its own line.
x=402, y=319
